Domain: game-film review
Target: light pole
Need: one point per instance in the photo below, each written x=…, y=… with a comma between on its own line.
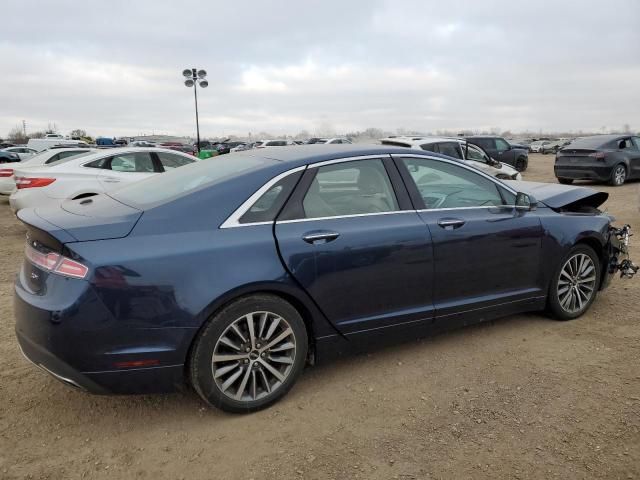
x=193, y=78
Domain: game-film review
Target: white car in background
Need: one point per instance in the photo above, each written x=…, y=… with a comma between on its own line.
x=22, y=152
x=90, y=174
x=459, y=148
x=7, y=178
x=333, y=141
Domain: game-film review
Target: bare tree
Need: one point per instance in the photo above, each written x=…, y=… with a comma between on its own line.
x=16, y=135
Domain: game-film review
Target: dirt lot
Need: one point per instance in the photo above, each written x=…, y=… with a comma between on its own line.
x=523, y=397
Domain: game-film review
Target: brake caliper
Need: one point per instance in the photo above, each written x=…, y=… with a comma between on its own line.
x=620, y=261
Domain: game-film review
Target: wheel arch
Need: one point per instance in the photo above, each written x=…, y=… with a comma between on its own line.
x=599, y=247
x=313, y=319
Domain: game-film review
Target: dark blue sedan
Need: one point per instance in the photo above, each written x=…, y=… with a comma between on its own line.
x=232, y=274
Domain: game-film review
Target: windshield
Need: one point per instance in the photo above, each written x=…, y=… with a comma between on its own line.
x=187, y=179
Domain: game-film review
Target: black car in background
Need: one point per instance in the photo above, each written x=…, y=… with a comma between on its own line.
x=8, y=157
x=501, y=150
x=606, y=158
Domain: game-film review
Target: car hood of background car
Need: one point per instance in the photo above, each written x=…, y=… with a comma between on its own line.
x=93, y=218
x=560, y=196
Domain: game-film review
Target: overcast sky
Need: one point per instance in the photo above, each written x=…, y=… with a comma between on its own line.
x=114, y=68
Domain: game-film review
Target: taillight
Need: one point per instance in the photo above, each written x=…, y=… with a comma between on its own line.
x=6, y=172
x=29, y=182
x=56, y=263
x=597, y=155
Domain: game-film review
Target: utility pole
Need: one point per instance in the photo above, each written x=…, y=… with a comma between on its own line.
x=24, y=128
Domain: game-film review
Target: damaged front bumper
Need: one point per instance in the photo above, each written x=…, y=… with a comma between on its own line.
x=619, y=260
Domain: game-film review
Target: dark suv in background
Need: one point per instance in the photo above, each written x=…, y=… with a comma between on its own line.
x=501, y=150
x=605, y=158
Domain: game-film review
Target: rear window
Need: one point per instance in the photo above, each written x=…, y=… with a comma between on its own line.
x=591, y=142
x=181, y=181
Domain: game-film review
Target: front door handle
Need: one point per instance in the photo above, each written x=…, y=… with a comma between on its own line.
x=450, y=223
x=112, y=180
x=320, y=237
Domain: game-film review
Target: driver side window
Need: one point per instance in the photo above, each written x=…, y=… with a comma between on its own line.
x=501, y=145
x=444, y=185
x=475, y=154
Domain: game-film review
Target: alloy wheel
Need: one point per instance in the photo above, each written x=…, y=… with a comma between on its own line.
x=619, y=174
x=254, y=356
x=577, y=283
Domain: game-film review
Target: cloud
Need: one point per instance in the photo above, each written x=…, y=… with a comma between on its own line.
x=114, y=68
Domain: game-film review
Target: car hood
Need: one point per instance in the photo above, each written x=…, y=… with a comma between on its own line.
x=560, y=196
x=94, y=218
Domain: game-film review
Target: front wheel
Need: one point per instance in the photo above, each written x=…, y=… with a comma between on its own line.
x=575, y=284
x=250, y=354
x=565, y=181
x=618, y=175
x=521, y=164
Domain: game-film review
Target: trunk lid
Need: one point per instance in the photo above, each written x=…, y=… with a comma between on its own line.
x=561, y=197
x=93, y=218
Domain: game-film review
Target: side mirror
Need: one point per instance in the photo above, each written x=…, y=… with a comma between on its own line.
x=526, y=201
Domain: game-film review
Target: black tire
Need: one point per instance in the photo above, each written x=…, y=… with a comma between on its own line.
x=202, y=362
x=556, y=295
x=565, y=181
x=521, y=164
x=618, y=175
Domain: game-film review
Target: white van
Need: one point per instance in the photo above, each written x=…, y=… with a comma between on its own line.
x=41, y=144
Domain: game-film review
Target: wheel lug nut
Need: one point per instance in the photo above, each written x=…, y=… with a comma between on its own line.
x=247, y=349
x=257, y=345
x=246, y=360
x=264, y=354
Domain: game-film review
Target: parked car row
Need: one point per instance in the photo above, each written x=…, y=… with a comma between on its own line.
x=60, y=174
x=459, y=148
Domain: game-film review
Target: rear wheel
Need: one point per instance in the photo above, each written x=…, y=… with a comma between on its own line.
x=250, y=354
x=575, y=284
x=565, y=181
x=618, y=175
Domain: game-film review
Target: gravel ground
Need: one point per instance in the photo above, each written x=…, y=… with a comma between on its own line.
x=522, y=397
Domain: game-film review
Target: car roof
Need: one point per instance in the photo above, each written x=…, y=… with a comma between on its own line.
x=300, y=155
x=482, y=136
x=421, y=140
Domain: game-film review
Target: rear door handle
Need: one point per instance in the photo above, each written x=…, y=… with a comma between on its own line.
x=320, y=237
x=450, y=223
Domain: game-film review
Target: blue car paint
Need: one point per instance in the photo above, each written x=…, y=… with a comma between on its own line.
x=156, y=276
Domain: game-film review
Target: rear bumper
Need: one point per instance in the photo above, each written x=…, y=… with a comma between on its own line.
x=577, y=172
x=73, y=337
x=31, y=197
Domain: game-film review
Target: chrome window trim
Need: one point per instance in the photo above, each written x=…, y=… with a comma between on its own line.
x=381, y=156
x=234, y=219
x=459, y=164
x=353, y=215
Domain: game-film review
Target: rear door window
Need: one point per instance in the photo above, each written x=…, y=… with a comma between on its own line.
x=350, y=188
x=132, y=162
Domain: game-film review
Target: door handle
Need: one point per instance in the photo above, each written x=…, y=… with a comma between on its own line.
x=112, y=180
x=320, y=237
x=450, y=223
